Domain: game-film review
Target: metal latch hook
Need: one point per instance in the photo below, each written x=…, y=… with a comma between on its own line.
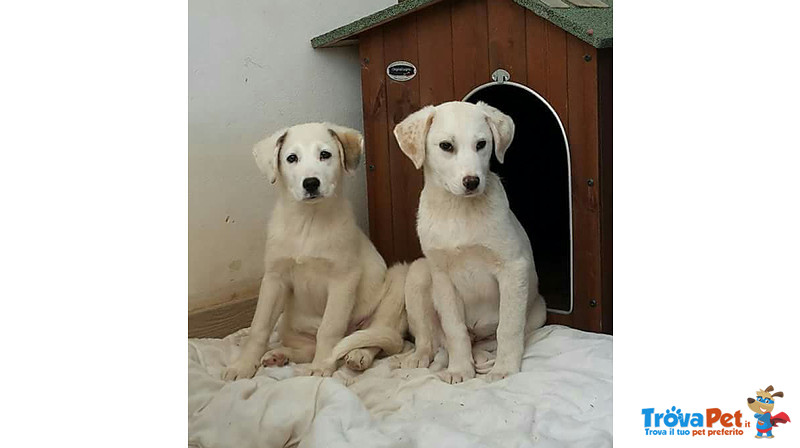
x=500, y=76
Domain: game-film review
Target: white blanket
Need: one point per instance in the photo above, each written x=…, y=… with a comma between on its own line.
x=562, y=398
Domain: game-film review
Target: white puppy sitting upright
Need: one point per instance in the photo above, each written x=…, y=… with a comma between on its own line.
x=478, y=273
x=321, y=271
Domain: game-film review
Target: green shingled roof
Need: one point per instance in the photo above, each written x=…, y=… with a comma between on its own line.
x=574, y=20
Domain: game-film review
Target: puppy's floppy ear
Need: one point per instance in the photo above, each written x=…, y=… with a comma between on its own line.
x=777, y=394
x=502, y=127
x=412, y=132
x=268, y=152
x=351, y=145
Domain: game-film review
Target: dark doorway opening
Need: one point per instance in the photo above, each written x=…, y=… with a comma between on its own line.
x=537, y=178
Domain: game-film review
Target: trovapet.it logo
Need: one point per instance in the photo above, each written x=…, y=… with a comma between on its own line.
x=715, y=422
x=711, y=422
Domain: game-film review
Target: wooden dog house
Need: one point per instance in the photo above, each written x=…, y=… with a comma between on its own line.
x=546, y=63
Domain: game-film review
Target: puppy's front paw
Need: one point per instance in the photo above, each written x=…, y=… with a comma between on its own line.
x=498, y=373
x=359, y=359
x=241, y=369
x=456, y=376
x=318, y=370
x=415, y=360
x=274, y=358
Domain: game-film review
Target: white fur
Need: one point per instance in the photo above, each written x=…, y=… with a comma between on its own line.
x=321, y=271
x=478, y=280
x=386, y=328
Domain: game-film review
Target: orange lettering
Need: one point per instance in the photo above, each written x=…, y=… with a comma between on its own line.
x=726, y=420
x=712, y=416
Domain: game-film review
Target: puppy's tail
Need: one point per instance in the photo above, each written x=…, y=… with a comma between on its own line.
x=387, y=324
x=388, y=339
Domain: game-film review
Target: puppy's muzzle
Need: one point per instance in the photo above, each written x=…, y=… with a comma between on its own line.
x=311, y=185
x=471, y=183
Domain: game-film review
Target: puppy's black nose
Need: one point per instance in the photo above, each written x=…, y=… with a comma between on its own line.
x=311, y=184
x=471, y=182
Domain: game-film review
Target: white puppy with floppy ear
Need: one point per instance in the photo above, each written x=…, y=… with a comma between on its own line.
x=321, y=271
x=478, y=273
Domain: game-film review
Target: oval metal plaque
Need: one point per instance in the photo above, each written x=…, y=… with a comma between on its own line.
x=401, y=71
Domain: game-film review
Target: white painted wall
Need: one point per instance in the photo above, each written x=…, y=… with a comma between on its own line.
x=252, y=71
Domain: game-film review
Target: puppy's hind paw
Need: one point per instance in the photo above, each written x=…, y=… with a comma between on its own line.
x=349, y=380
x=274, y=358
x=394, y=361
x=415, y=360
x=316, y=370
x=497, y=374
x=359, y=359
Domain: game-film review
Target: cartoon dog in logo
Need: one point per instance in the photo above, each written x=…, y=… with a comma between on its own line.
x=762, y=405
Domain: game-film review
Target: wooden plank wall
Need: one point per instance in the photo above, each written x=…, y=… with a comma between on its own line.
x=376, y=142
x=456, y=45
x=403, y=98
x=583, y=140
x=470, y=45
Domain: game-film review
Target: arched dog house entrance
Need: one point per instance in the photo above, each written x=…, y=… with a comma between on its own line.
x=537, y=178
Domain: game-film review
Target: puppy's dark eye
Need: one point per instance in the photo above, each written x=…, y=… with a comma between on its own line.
x=481, y=144
x=292, y=158
x=324, y=155
x=446, y=146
